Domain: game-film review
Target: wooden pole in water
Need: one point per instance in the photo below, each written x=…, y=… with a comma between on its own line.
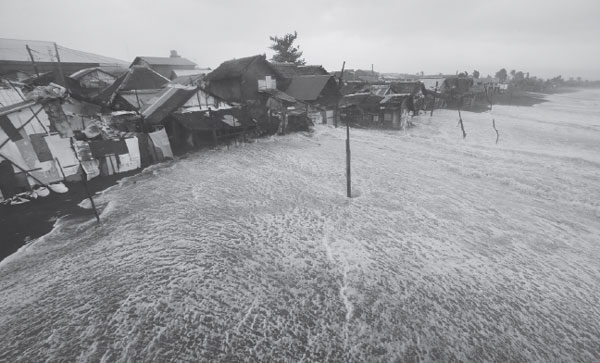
x=348, y=174
x=434, y=93
x=460, y=121
x=37, y=73
x=495, y=129
x=84, y=180
x=87, y=191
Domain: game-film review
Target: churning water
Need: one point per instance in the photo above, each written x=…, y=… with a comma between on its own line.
x=452, y=251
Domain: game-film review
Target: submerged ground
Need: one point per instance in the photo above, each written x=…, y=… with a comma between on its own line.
x=452, y=251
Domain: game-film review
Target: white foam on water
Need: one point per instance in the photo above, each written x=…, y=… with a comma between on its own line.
x=455, y=249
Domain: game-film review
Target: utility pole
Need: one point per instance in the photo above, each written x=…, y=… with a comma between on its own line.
x=35, y=68
x=60, y=71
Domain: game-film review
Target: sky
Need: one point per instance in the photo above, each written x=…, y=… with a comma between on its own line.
x=546, y=38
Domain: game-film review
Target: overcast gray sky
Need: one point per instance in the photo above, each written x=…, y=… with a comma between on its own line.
x=546, y=38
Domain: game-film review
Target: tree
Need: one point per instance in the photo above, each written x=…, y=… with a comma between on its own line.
x=475, y=74
x=502, y=75
x=284, y=49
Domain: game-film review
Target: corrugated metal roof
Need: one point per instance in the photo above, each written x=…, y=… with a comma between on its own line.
x=10, y=96
x=136, y=78
x=167, y=101
x=15, y=50
x=165, y=61
x=308, y=88
x=234, y=68
x=379, y=89
x=189, y=72
x=280, y=95
x=290, y=70
x=79, y=74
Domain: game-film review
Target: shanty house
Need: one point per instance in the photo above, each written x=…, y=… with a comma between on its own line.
x=237, y=80
x=132, y=90
x=165, y=65
x=287, y=71
x=89, y=82
x=321, y=93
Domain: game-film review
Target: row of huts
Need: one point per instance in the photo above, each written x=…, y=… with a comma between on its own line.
x=67, y=115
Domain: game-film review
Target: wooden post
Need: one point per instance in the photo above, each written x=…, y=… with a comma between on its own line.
x=340, y=84
x=495, y=129
x=214, y=127
x=348, y=174
x=87, y=192
x=60, y=71
x=32, y=61
x=460, y=121
x=434, y=93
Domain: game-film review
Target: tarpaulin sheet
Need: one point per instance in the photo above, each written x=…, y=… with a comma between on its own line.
x=40, y=147
x=102, y=148
x=62, y=151
x=161, y=143
x=132, y=159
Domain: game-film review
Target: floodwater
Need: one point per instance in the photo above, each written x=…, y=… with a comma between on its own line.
x=452, y=250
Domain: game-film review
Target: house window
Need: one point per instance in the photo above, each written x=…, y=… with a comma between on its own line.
x=267, y=83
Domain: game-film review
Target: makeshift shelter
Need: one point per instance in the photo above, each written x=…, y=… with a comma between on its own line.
x=287, y=71
x=237, y=80
x=165, y=65
x=132, y=90
x=87, y=83
x=321, y=94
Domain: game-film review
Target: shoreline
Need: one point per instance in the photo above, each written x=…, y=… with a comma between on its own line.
x=26, y=222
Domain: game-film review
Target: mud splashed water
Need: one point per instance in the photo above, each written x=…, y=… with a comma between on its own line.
x=454, y=250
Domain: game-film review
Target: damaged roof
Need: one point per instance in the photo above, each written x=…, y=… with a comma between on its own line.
x=136, y=78
x=309, y=88
x=234, y=68
x=291, y=70
x=164, y=61
x=167, y=101
x=81, y=73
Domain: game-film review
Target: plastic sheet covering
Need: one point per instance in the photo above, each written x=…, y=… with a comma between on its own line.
x=161, y=143
x=134, y=152
x=61, y=150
